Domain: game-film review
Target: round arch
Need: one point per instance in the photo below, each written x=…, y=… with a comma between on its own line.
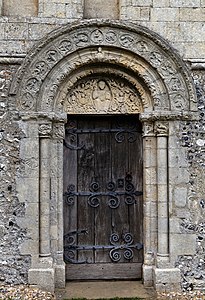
x=150, y=59
x=161, y=90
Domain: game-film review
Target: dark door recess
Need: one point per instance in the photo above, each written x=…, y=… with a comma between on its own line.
x=103, y=198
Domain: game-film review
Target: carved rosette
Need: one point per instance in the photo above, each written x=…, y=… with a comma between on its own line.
x=45, y=130
x=103, y=95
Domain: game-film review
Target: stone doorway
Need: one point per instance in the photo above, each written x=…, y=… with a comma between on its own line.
x=49, y=86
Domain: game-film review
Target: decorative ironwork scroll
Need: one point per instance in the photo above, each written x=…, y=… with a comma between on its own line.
x=123, y=187
x=121, y=131
x=118, y=247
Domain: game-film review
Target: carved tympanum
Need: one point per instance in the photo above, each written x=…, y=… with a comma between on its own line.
x=103, y=95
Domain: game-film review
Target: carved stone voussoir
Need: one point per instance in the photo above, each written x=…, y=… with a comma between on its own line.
x=45, y=130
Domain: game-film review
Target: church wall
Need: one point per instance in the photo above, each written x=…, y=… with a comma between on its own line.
x=181, y=23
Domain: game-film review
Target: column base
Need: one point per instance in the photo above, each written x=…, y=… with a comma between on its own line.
x=163, y=261
x=60, y=276
x=42, y=278
x=147, y=275
x=166, y=280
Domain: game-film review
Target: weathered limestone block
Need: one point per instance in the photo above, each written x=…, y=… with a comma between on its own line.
x=182, y=244
x=180, y=196
x=165, y=14
x=20, y=7
x=45, y=277
x=167, y=280
x=190, y=14
x=185, y=3
x=160, y=3
x=101, y=9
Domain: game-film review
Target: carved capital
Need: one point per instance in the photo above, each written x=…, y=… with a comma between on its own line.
x=161, y=128
x=148, y=129
x=58, y=131
x=45, y=130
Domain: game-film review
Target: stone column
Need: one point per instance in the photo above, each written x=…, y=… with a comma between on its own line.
x=44, y=188
x=150, y=200
x=161, y=129
x=57, y=192
x=42, y=272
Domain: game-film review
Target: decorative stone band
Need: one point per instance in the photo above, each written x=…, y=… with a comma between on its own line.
x=168, y=116
x=43, y=116
x=12, y=60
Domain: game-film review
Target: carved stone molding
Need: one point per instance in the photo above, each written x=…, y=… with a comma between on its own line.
x=131, y=44
x=42, y=116
x=168, y=116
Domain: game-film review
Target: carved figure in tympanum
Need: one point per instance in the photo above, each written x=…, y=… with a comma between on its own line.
x=103, y=95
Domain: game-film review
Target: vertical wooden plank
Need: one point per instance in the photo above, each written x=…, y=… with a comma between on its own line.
x=70, y=179
x=102, y=173
x=85, y=166
x=120, y=223
x=136, y=210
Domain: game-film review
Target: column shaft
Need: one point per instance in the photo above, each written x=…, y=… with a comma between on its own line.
x=45, y=197
x=162, y=178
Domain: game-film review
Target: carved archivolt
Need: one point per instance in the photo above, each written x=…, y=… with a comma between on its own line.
x=152, y=62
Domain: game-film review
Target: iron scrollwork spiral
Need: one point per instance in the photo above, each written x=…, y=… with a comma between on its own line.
x=114, y=202
x=126, y=246
x=115, y=255
x=113, y=193
x=93, y=201
x=114, y=238
x=128, y=238
x=69, y=195
x=129, y=200
x=128, y=254
x=120, y=247
x=111, y=186
x=94, y=186
x=130, y=130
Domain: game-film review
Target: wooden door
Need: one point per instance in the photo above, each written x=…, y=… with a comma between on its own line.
x=103, y=198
